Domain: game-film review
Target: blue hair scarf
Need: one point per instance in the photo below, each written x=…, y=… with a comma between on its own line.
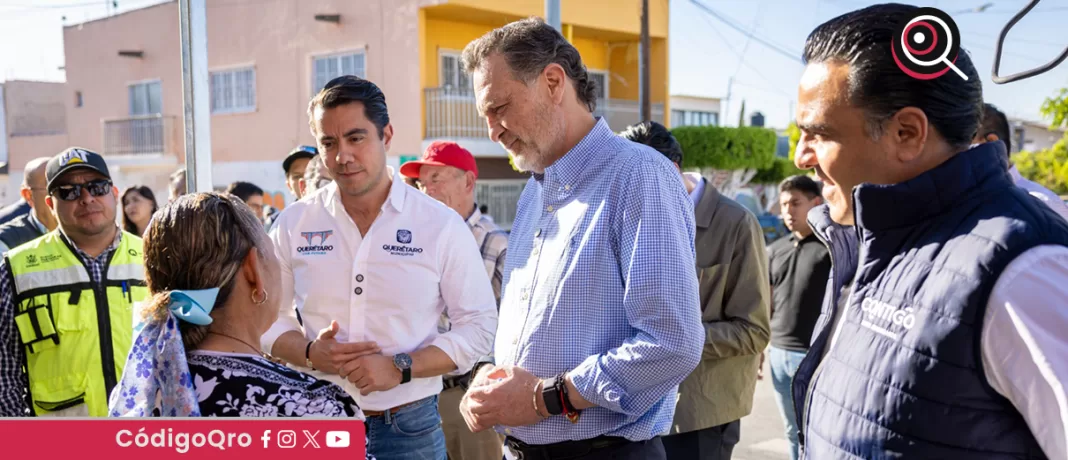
x=157, y=375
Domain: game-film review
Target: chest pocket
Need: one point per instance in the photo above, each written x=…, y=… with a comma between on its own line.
x=44, y=320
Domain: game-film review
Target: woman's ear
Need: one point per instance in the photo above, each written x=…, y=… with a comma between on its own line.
x=251, y=271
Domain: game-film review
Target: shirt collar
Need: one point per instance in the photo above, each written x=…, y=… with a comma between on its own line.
x=37, y=223
x=475, y=217
x=698, y=188
x=114, y=244
x=397, y=191
x=1015, y=173
x=562, y=175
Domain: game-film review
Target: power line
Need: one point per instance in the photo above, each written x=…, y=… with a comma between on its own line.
x=771, y=85
x=731, y=23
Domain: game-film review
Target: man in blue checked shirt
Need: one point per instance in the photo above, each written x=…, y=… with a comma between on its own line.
x=599, y=320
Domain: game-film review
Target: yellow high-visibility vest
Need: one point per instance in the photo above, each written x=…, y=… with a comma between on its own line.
x=76, y=333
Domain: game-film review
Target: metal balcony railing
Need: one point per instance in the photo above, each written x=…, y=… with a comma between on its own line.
x=451, y=113
x=141, y=135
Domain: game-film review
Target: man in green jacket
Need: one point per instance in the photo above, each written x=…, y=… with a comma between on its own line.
x=732, y=272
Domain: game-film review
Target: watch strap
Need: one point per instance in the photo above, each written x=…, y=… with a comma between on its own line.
x=307, y=356
x=406, y=375
x=550, y=395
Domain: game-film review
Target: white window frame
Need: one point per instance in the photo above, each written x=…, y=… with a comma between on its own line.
x=457, y=55
x=234, y=108
x=143, y=83
x=315, y=87
x=607, y=82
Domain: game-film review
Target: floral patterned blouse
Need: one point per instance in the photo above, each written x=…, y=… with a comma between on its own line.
x=239, y=385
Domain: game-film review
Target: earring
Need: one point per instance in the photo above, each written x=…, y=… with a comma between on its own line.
x=259, y=302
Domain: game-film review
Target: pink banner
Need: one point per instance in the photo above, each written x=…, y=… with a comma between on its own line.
x=162, y=438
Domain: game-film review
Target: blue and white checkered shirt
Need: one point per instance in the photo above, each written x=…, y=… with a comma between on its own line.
x=599, y=281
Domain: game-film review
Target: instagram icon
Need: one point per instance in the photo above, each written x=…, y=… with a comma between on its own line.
x=287, y=439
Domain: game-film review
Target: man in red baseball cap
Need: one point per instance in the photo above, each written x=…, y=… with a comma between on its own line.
x=447, y=173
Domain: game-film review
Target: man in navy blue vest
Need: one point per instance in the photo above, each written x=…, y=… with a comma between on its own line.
x=943, y=330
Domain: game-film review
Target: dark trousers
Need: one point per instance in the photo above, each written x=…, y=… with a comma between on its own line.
x=715, y=443
x=652, y=449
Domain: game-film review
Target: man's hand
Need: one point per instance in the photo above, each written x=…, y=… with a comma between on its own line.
x=371, y=373
x=328, y=355
x=503, y=396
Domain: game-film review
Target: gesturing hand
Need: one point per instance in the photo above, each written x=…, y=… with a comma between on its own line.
x=371, y=373
x=328, y=355
x=505, y=398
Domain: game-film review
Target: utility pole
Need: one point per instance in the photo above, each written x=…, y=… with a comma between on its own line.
x=727, y=102
x=552, y=14
x=193, y=21
x=643, y=66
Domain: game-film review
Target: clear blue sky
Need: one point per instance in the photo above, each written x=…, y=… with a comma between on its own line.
x=705, y=52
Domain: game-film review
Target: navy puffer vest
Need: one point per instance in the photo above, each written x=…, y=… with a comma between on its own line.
x=904, y=378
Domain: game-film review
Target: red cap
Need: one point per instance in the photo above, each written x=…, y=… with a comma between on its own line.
x=441, y=153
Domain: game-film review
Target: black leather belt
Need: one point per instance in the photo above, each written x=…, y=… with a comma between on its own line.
x=562, y=450
x=460, y=381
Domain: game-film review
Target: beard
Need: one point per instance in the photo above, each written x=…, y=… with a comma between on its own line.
x=535, y=155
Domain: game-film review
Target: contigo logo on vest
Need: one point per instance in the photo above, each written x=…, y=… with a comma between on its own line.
x=312, y=238
x=403, y=237
x=885, y=319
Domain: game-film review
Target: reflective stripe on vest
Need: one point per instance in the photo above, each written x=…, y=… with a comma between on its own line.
x=60, y=276
x=77, y=334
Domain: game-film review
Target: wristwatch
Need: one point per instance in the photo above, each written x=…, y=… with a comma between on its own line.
x=403, y=361
x=550, y=395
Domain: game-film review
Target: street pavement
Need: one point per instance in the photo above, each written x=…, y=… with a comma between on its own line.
x=762, y=430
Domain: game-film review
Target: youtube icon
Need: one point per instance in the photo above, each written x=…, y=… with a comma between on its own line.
x=337, y=439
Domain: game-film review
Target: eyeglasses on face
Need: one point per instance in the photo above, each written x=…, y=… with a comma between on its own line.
x=71, y=192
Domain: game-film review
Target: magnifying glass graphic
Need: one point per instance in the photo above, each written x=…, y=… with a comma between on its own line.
x=926, y=45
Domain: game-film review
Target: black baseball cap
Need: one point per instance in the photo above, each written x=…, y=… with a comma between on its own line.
x=304, y=151
x=71, y=159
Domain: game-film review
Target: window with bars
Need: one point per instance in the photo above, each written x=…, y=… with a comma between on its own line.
x=326, y=68
x=233, y=91
x=145, y=98
x=501, y=196
x=453, y=75
x=694, y=118
x=600, y=79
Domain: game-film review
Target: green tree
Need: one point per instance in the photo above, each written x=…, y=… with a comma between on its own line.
x=1056, y=107
x=1049, y=167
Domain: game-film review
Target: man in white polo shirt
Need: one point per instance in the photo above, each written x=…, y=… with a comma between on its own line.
x=368, y=267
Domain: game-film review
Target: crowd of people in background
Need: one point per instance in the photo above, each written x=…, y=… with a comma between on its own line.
x=915, y=309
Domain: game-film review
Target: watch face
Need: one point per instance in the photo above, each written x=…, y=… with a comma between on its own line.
x=402, y=360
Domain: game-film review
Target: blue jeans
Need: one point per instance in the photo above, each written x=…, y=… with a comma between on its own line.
x=413, y=433
x=784, y=365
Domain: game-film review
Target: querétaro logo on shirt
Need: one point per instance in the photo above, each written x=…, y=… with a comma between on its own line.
x=403, y=237
x=312, y=238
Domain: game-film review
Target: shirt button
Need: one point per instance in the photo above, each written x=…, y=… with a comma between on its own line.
x=508, y=431
x=537, y=232
x=535, y=251
x=359, y=278
x=358, y=291
x=549, y=208
x=515, y=341
x=567, y=187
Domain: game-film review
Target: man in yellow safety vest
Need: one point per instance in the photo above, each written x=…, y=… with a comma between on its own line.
x=66, y=298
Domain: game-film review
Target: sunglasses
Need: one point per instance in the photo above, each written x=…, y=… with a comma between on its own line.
x=71, y=192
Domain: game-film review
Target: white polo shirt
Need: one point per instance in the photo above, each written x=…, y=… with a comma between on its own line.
x=417, y=261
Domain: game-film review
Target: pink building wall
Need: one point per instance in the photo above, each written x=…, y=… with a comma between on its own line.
x=279, y=38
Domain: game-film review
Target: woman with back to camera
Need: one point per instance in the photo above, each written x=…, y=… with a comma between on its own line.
x=210, y=268
x=138, y=206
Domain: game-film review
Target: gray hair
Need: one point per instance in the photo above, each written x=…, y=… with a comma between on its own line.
x=528, y=46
